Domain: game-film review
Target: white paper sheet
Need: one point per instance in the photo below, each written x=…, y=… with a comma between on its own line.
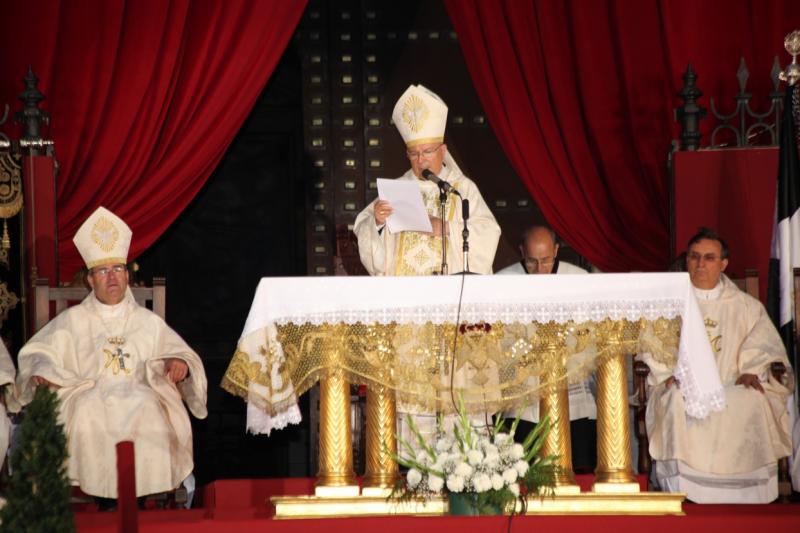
x=409, y=212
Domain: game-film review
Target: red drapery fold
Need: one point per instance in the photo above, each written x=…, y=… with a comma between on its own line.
x=144, y=97
x=581, y=94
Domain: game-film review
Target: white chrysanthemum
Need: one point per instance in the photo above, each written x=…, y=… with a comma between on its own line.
x=501, y=438
x=445, y=462
x=514, y=488
x=463, y=470
x=521, y=467
x=482, y=483
x=517, y=451
x=435, y=483
x=497, y=481
x=413, y=477
x=474, y=457
x=455, y=483
x=510, y=475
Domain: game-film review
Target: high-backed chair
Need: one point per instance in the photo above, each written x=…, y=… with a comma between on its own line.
x=50, y=301
x=63, y=297
x=748, y=284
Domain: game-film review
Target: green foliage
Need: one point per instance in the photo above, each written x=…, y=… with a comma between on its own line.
x=38, y=490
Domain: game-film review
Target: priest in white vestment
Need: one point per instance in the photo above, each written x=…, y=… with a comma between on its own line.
x=731, y=456
x=121, y=374
x=7, y=399
x=539, y=255
x=421, y=117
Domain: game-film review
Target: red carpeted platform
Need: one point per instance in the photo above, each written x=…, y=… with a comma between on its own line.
x=242, y=506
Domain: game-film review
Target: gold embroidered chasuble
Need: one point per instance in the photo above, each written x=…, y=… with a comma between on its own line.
x=108, y=364
x=417, y=254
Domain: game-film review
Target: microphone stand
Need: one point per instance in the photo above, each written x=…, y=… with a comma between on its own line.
x=442, y=205
x=465, y=234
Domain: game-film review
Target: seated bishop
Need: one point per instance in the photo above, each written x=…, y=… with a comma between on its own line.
x=121, y=374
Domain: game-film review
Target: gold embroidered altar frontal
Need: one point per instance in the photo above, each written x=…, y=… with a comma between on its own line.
x=497, y=366
x=502, y=336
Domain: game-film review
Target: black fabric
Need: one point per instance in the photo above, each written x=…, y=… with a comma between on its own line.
x=583, y=433
x=787, y=205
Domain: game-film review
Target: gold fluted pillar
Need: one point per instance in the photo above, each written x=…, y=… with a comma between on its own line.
x=381, y=470
x=614, y=471
x=554, y=402
x=336, y=476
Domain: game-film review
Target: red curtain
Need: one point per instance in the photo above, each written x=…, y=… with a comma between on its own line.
x=144, y=97
x=581, y=94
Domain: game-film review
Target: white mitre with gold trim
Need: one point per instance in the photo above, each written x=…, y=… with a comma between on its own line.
x=103, y=239
x=420, y=116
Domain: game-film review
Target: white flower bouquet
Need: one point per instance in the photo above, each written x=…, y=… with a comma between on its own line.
x=481, y=466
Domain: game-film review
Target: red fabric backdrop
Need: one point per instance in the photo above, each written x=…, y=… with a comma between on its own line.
x=145, y=97
x=729, y=190
x=581, y=96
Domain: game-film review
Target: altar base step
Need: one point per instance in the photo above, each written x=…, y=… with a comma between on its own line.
x=584, y=503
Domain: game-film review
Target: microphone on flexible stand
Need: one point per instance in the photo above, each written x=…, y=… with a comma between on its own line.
x=444, y=188
x=443, y=185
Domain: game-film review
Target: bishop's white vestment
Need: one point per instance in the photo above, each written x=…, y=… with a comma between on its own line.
x=107, y=362
x=411, y=253
x=731, y=456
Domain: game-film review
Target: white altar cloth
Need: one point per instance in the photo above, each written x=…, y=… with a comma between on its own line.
x=435, y=299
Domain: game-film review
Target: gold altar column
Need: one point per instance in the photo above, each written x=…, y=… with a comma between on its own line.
x=336, y=476
x=555, y=403
x=614, y=471
x=381, y=470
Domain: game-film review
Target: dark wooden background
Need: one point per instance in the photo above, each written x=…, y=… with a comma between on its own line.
x=306, y=161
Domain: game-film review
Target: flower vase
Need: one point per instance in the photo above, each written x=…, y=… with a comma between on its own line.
x=466, y=504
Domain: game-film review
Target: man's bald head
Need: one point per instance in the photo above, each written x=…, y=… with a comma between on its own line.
x=539, y=249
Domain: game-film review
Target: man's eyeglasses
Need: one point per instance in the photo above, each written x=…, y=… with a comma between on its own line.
x=533, y=264
x=105, y=271
x=424, y=154
x=694, y=256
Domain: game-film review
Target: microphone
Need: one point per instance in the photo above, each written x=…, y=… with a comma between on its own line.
x=446, y=187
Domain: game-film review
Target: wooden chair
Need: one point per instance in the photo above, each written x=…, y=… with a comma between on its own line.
x=748, y=284
x=63, y=297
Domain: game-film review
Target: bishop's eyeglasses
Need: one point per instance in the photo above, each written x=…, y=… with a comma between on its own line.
x=105, y=271
x=424, y=154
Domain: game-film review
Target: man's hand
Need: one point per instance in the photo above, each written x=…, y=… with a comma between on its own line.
x=176, y=370
x=750, y=381
x=39, y=380
x=436, y=223
x=382, y=211
x=672, y=381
